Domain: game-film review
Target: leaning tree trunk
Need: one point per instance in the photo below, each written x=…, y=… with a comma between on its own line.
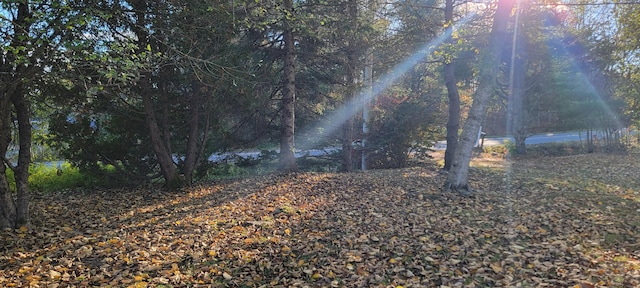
x=458, y=177
x=162, y=152
x=155, y=124
x=453, y=123
x=287, y=130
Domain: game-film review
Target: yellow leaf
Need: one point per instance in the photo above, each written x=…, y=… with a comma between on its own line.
x=496, y=267
x=23, y=229
x=55, y=275
x=438, y=248
x=522, y=228
x=287, y=231
x=212, y=253
x=316, y=276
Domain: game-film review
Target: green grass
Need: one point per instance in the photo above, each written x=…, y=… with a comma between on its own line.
x=46, y=179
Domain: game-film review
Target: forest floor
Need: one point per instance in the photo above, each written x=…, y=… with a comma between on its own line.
x=569, y=221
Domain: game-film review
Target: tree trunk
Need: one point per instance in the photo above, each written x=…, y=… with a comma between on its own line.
x=159, y=142
x=351, y=82
x=163, y=155
x=287, y=125
x=21, y=172
x=453, y=123
x=191, y=153
x=518, y=128
x=458, y=177
x=15, y=213
x=7, y=204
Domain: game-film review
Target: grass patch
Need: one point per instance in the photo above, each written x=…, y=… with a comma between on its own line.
x=48, y=178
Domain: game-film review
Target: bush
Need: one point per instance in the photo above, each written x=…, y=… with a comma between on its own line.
x=398, y=130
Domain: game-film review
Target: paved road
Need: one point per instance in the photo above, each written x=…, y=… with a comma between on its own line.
x=534, y=139
x=440, y=145
x=544, y=138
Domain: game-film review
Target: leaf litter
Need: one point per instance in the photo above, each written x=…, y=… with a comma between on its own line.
x=545, y=222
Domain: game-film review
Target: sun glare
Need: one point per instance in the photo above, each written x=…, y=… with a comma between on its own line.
x=334, y=121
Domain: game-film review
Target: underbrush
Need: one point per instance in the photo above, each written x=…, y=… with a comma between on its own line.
x=554, y=149
x=48, y=178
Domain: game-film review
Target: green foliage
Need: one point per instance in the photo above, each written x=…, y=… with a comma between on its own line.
x=49, y=177
x=510, y=146
x=400, y=126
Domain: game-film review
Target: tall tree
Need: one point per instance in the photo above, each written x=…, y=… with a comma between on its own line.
x=287, y=125
x=453, y=122
x=458, y=177
x=32, y=32
x=515, y=110
x=353, y=54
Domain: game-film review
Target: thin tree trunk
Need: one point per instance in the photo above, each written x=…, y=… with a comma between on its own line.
x=163, y=155
x=194, y=126
x=458, y=177
x=518, y=128
x=453, y=123
x=158, y=141
x=518, y=113
x=165, y=124
x=352, y=81
x=21, y=173
x=7, y=204
x=287, y=127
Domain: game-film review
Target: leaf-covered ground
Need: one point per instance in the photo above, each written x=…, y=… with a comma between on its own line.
x=545, y=222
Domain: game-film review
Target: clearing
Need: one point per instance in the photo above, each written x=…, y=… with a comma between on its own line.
x=568, y=221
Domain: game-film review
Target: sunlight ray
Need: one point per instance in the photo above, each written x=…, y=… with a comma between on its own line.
x=333, y=121
x=582, y=76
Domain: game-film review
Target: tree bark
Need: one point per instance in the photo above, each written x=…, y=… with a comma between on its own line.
x=191, y=153
x=161, y=147
x=7, y=204
x=453, y=122
x=21, y=172
x=287, y=126
x=351, y=82
x=15, y=213
x=518, y=128
x=458, y=177
x=163, y=155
